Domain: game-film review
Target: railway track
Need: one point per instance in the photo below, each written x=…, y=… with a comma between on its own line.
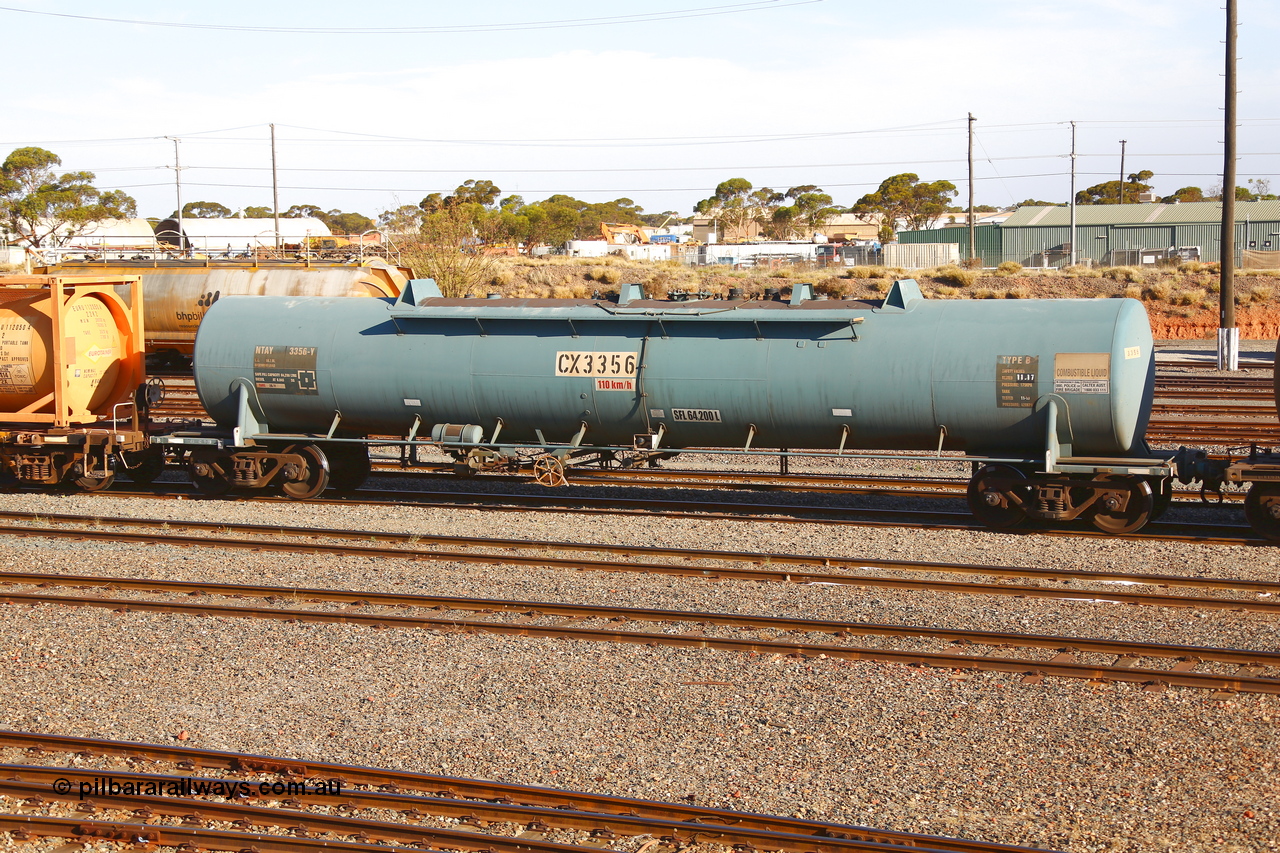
x=557, y=501
x=479, y=805
x=1074, y=657
x=684, y=562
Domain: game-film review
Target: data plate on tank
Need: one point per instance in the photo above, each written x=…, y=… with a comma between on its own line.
x=1016, y=377
x=285, y=370
x=1082, y=373
x=597, y=363
x=697, y=416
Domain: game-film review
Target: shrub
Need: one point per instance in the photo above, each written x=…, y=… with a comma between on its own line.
x=503, y=278
x=1214, y=286
x=860, y=272
x=880, y=286
x=1194, y=298
x=544, y=277
x=784, y=272
x=946, y=291
x=972, y=263
x=1159, y=290
x=834, y=287
x=1191, y=267
x=1017, y=293
x=608, y=275
x=955, y=275
x=985, y=293
x=1125, y=274
x=1133, y=292
x=1081, y=271
x=1009, y=268
x=1261, y=293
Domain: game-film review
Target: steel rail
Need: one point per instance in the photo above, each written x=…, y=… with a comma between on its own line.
x=455, y=788
x=147, y=835
x=300, y=824
x=533, y=818
x=1061, y=666
x=612, y=613
x=725, y=511
x=687, y=554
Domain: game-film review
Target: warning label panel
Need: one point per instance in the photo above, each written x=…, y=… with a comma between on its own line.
x=1082, y=373
x=626, y=384
x=1016, y=377
x=285, y=370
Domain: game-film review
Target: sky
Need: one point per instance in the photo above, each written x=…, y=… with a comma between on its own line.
x=379, y=103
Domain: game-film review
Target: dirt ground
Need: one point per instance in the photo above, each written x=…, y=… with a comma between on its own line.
x=1182, y=304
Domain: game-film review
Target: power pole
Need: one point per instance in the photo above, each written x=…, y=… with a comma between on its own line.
x=973, y=247
x=1228, y=332
x=1122, y=144
x=275, y=187
x=177, y=179
x=1073, y=193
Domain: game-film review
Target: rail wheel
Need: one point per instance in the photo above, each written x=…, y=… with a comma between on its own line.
x=1116, y=514
x=1262, y=509
x=349, y=466
x=989, y=496
x=1161, y=496
x=91, y=483
x=549, y=471
x=144, y=467
x=313, y=477
x=210, y=474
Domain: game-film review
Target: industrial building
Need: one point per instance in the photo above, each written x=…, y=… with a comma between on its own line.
x=1119, y=235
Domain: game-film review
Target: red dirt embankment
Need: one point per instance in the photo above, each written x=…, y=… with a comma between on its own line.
x=1257, y=323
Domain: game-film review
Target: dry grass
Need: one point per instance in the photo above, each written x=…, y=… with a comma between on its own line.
x=879, y=286
x=1133, y=274
x=1191, y=267
x=985, y=293
x=1193, y=298
x=952, y=274
x=1019, y=292
x=1080, y=271
x=1009, y=268
x=946, y=291
x=1261, y=293
x=1133, y=292
x=1158, y=291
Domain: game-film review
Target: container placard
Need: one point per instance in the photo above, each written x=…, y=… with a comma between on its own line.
x=597, y=363
x=1016, y=377
x=697, y=416
x=1082, y=373
x=285, y=370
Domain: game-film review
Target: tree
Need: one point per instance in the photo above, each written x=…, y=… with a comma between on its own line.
x=1109, y=192
x=302, y=211
x=1031, y=202
x=483, y=193
x=37, y=204
x=403, y=220
x=450, y=247
x=258, y=213
x=347, y=223
x=202, y=210
x=734, y=205
x=1185, y=194
x=904, y=197
x=811, y=208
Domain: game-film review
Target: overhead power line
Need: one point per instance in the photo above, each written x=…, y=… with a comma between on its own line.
x=498, y=27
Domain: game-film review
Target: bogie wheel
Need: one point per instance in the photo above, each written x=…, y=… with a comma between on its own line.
x=144, y=467
x=210, y=474
x=1110, y=517
x=549, y=471
x=312, y=479
x=92, y=483
x=1161, y=496
x=990, y=500
x=349, y=466
x=1262, y=509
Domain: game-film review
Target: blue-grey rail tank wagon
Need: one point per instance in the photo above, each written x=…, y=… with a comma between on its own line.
x=988, y=377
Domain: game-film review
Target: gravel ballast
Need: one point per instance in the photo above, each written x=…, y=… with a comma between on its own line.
x=1061, y=764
